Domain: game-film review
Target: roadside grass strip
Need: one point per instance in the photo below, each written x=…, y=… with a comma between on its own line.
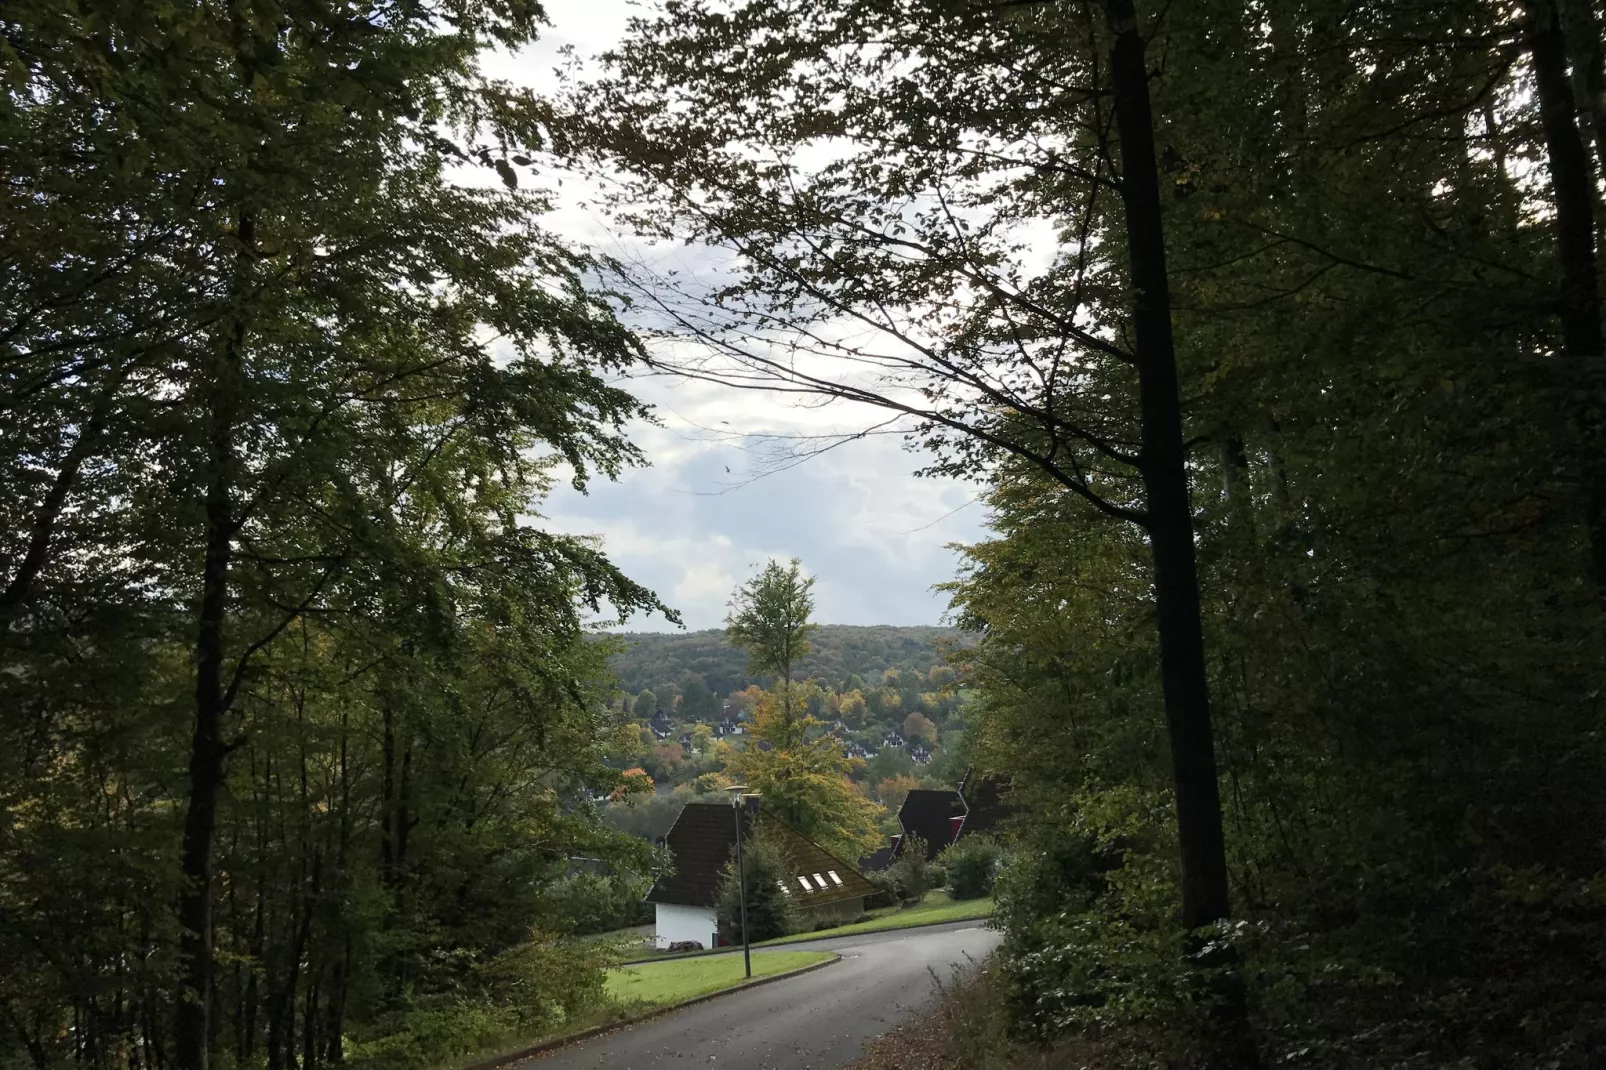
x=664, y=984
x=933, y=911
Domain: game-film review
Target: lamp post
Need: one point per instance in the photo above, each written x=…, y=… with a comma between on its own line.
x=737, y=796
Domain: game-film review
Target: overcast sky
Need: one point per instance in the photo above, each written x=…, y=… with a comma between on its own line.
x=698, y=522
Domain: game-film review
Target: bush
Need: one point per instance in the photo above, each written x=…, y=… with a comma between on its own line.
x=910, y=871
x=972, y=865
x=598, y=903
x=889, y=893
x=522, y=993
x=770, y=911
x=936, y=874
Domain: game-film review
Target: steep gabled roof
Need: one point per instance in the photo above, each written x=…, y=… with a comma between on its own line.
x=704, y=838
x=986, y=802
x=833, y=880
x=701, y=842
x=877, y=860
x=929, y=813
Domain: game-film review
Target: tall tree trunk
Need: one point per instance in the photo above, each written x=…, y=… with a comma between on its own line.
x=208, y=752
x=1170, y=523
x=1184, y=684
x=1582, y=32
x=1573, y=189
x=387, y=794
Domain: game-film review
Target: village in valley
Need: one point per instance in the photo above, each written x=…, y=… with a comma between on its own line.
x=878, y=710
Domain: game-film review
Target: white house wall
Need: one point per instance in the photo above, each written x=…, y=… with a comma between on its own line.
x=676, y=923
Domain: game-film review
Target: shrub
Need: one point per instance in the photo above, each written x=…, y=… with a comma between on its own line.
x=910, y=871
x=972, y=865
x=770, y=911
x=598, y=903
x=888, y=891
x=524, y=992
x=936, y=874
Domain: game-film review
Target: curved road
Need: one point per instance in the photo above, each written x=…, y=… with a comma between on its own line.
x=818, y=1021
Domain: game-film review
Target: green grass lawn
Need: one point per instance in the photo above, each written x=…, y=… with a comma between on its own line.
x=934, y=908
x=661, y=984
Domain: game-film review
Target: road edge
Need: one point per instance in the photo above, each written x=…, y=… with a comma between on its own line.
x=801, y=938
x=827, y=934
x=545, y=1046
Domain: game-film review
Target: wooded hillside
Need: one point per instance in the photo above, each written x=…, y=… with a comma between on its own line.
x=661, y=662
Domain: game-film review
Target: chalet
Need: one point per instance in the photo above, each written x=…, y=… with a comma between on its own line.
x=941, y=817
x=893, y=739
x=987, y=803
x=935, y=815
x=703, y=841
x=919, y=754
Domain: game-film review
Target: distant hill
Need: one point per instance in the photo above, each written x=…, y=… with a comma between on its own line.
x=662, y=662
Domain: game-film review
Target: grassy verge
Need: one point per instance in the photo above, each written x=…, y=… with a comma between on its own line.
x=636, y=992
x=937, y=907
x=663, y=984
x=934, y=909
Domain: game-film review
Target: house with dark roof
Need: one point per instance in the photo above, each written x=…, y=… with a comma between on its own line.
x=987, y=802
x=935, y=815
x=703, y=841
x=880, y=858
x=940, y=817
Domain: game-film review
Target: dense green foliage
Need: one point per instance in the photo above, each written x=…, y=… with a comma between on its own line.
x=770, y=910
x=971, y=866
x=1377, y=260
x=299, y=712
x=663, y=661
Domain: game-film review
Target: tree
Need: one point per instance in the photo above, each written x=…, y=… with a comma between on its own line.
x=281, y=423
x=702, y=739
x=852, y=708
x=645, y=706
x=806, y=780
x=894, y=789
x=769, y=619
x=919, y=726
x=770, y=910
x=697, y=702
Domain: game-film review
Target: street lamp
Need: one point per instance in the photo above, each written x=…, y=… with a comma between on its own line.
x=738, y=793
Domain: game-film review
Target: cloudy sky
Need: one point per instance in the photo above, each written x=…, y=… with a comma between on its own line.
x=706, y=514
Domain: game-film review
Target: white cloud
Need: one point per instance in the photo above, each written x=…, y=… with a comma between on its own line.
x=705, y=515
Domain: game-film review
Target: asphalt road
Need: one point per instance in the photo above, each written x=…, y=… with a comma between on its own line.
x=818, y=1021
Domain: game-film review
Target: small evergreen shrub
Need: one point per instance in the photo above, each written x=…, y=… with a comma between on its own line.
x=770, y=911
